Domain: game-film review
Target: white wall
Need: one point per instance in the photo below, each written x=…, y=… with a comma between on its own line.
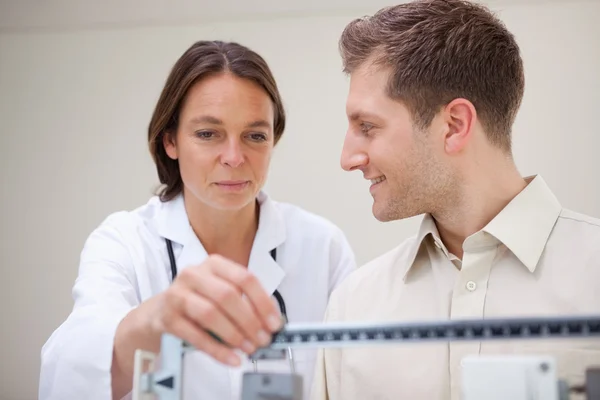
x=74, y=107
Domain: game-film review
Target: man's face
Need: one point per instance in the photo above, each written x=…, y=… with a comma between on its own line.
x=405, y=165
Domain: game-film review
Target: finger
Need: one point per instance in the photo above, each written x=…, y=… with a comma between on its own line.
x=249, y=285
x=202, y=341
x=228, y=298
x=210, y=316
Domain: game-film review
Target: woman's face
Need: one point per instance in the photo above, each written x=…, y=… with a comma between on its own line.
x=224, y=141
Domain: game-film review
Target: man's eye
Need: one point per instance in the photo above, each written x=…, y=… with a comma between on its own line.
x=258, y=137
x=365, y=127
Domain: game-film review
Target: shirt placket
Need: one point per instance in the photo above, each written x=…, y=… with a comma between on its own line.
x=468, y=301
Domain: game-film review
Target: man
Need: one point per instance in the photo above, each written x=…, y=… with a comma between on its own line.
x=434, y=89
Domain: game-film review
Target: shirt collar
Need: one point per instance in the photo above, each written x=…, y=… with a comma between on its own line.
x=523, y=226
x=426, y=228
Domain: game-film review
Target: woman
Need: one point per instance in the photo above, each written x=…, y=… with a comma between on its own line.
x=211, y=136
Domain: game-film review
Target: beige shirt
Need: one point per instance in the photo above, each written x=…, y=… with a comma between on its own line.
x=534, y=258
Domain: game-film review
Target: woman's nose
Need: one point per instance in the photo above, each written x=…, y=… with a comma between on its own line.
x=232, y=155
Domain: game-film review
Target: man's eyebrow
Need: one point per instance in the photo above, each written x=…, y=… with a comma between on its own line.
x=359, y=115
x=261, y=123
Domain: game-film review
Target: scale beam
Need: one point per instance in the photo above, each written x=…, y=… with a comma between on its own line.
x=360, y=334
x=166, y=381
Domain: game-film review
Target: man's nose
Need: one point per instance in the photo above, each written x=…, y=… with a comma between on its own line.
x=353, y=156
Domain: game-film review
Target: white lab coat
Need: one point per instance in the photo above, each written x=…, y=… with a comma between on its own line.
x=125, y=261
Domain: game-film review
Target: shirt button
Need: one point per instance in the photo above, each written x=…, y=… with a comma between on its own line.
x=471, y=286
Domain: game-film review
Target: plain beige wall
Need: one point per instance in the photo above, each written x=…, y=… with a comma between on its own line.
x=74, y=107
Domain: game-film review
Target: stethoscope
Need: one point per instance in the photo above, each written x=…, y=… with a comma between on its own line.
x=276, y=294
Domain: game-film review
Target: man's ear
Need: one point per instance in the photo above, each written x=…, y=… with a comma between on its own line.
x=170, y=144
x=459, y=117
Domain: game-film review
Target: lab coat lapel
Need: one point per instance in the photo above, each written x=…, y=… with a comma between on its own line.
x=173, y=224
x=270, y=235
x=193, y=253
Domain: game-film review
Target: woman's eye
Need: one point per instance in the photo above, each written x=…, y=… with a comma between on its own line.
x=205, y=134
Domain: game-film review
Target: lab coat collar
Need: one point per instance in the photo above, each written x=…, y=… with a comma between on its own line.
x=523, y=226
x=271, y=233
x=172, y=221
x=173, y=224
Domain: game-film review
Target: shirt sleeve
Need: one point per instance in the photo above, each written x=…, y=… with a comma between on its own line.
x=76, y=359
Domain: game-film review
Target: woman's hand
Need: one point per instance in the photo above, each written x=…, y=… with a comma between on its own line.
x=224, y=298
x=217, y=296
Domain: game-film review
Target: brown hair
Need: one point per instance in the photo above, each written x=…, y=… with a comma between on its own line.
x=439, y=50
x=200, y=60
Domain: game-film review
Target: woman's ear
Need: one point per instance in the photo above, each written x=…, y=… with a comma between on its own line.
x=460, y=116
x=170, y=144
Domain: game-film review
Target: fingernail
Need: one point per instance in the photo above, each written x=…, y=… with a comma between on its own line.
x=233, y=360
x=248, y=347
x=274, y=322
x=263, y=338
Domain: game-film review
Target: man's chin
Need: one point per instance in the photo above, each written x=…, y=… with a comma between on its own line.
x=384, y=213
